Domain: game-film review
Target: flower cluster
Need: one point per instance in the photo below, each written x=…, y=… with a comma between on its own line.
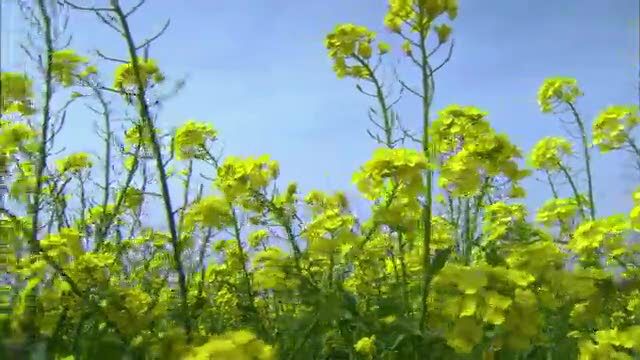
x=210, y=211
x=558, y=210
x=400, y=166
x=16, y=94
x=331, y=223
x=349, y=41
x=14, y=136
x=234, y=345
x=469, y=297
x=126, y=78
x=366, y=346
x=549, y=152
x=74, y=163
x=592, y=237
x=613, y=126
x=473, y=149
x=139, y=135
x=67, y=67
x=239, y=177
x=557, y=91
x=192, y=138
x=418, y=13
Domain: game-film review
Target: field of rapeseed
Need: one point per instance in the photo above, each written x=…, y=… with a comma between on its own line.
x=450, y=264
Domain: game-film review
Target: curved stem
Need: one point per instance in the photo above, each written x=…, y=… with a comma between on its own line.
x=635, y=149
x=145, y=116
x=381, y=100
x=587, y=158
x=565, y=171
x=473, y=226
x=108, y=219
x=553, y=187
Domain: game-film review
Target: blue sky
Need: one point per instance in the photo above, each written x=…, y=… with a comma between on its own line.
x=259, y=72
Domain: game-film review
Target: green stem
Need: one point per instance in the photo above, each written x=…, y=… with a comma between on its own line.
x=565, y=171
x=553, y=187
x=107, y=220
x=144, y=113
x=83, y=203
x=245, y=271
x=478, y=206
x=403, y=269
x=203, y=248
x=635, y=149
x=587, y=158
x=107, y=149
x=41, y=164
x=564, y=227
x=388, y=131
x=467, y=230
x=427, y=208
x=185, y=198
x=200, y=265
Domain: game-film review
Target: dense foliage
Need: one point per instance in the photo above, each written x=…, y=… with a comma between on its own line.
x=449, y=265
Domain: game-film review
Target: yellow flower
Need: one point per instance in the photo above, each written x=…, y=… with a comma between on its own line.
x=351, y=42
x=65, y=67
x=236, y=345
x=256, y=237
x=74, y=163
x=549, y=152
x=443, y=31
x=613, y=126
x=406, y=47
x=366, y=346
x=557, y=91
x=14, y=135
x=16, y=94
x=465, y=335
x=404, y=166
x=238, y=177
x=191, y=140
x=126, y=79
x=557, y=210
x=211, y=211
x=133, y=198
x=383, y=48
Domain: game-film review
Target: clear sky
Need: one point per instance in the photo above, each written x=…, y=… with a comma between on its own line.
x=259, y=72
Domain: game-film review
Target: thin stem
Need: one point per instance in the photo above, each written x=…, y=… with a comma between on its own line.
x=107, y=149
x=41, y=163
x=185, y=198
x=636, y=150
x=46, y=118
x=587, y=158
x=427, y=87
x=145, y=116
x=106, y=222
x=576, y=194
x=381, y=101
x=403, y=268
x=551, y=185
x=467, y=228
x=83, y=203
x=245, y=271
